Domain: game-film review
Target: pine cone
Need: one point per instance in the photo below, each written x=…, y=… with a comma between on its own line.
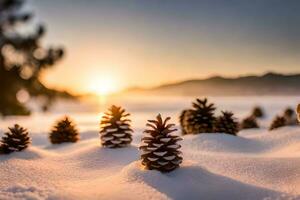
x=16, y=139
x=289, y=112
x=290, y=116
x=226, y=124
x=249, y=122
x=64, y=131
x=201, y=118
x=115, y=128
x=278, y=122
x=258, y=112
x=298, y=112
x=183, y=121
x=159, y=147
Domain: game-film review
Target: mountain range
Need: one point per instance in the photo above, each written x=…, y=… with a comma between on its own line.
x=266, y=84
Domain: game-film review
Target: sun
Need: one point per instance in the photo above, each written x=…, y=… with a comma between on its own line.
x=103, y=86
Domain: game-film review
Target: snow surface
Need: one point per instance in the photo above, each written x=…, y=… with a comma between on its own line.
x=257, y=164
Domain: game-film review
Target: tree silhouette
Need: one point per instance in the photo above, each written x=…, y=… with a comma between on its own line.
x=22, y=58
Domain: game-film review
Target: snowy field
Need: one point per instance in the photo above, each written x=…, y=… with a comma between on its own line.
x=257, y=164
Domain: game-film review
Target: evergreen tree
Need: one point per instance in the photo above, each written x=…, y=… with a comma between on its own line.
x=115, y=128
x=160, y=150
x=22, y=58
x=226, y=123
x=278, y=121
x=249, y=122
x=16, y=139
x=258, y=112
x=200, y=119
x=64, y=131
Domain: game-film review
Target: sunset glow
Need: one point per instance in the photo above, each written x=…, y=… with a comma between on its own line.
x=103, y=86
x=150, y=47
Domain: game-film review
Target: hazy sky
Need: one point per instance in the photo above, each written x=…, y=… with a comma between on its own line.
x=149, y=42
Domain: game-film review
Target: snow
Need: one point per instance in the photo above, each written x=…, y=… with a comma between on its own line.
x=215, y=166
x=258, y=164
x=22, y=192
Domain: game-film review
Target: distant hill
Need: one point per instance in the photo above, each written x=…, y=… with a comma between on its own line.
x=266, y=84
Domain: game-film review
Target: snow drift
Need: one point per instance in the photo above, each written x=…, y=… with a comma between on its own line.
x=255, y=165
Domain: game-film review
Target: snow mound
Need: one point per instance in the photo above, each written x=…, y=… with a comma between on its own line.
x=269, y=160
x=194, y=182
x=31, y=153
x=265, y=141
x=217, y=142
x=20, y=192
x=96, y=157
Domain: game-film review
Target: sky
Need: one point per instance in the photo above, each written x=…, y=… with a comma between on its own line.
x=126, y=43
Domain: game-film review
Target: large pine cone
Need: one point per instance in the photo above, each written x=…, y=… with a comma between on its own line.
x=160, y=148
